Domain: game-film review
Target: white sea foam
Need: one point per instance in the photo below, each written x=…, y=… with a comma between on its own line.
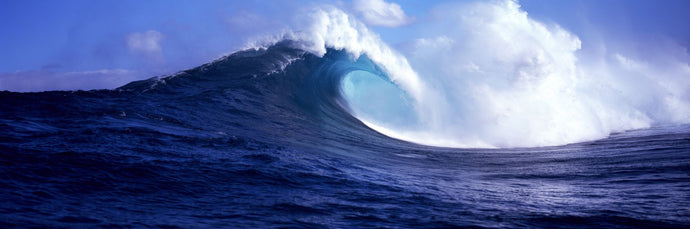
x=487, y=75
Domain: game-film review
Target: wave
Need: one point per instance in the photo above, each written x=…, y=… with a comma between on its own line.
x=280, y=92
x=498, y=79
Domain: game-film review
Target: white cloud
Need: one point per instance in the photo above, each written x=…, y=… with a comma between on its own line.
x=147, y=43
x=381, y=13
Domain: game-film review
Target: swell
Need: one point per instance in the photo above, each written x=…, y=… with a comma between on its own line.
x=280, y=95
x=241, y=140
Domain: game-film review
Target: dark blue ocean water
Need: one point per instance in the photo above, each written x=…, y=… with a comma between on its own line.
x=261, y=139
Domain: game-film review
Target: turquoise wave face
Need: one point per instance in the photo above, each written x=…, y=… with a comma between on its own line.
x=373, y=97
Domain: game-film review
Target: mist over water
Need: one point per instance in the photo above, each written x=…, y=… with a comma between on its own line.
x=485, y=74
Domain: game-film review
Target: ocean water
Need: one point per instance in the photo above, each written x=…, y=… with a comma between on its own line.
x=267, y=138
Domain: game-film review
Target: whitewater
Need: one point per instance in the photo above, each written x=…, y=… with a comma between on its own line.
x=503, y=121
x=498, y=79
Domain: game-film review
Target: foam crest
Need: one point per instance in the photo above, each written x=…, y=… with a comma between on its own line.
x=487, y=75
x=329, y=27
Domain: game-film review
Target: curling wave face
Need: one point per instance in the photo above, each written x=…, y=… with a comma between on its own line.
x=300, y=93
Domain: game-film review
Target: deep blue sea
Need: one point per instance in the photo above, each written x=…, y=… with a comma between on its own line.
x=261, y=139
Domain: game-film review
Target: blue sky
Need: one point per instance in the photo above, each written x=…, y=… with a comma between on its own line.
x=130, y=39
